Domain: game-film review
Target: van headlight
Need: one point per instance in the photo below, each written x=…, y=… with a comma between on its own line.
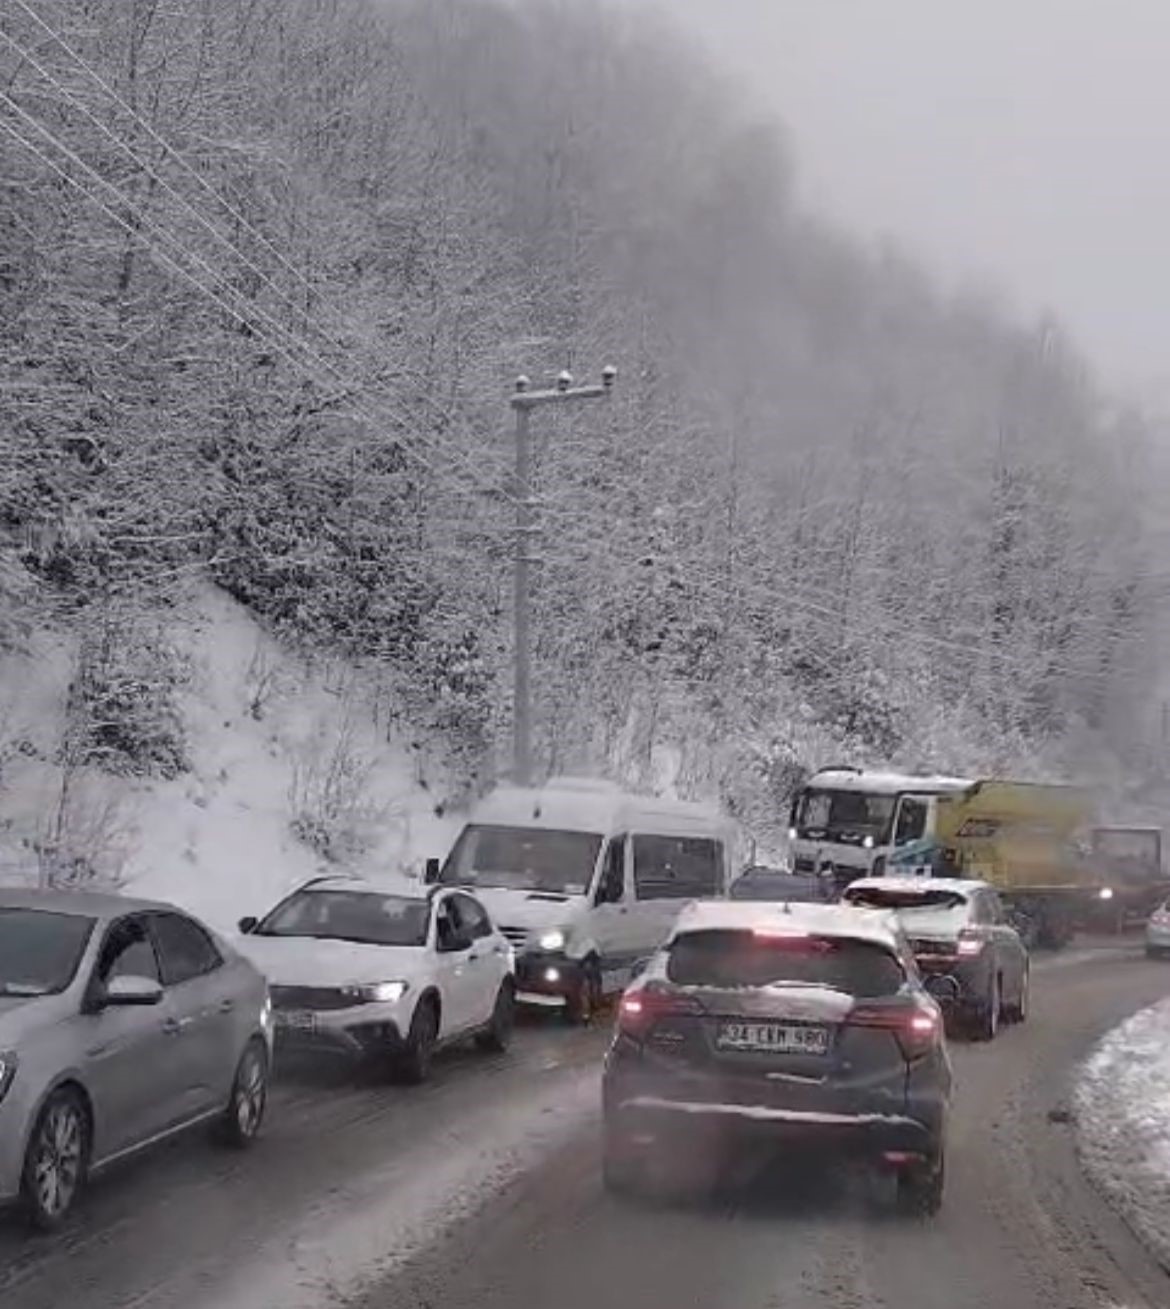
x=554, y=940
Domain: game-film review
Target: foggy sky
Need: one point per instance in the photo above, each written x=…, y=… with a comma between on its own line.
x=1017, y=143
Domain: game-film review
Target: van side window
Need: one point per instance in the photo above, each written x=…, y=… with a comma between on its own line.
x=676, y=867
x=611, y=889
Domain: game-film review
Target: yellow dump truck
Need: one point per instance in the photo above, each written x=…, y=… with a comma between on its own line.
x=1037, y=843
x=1030, y=841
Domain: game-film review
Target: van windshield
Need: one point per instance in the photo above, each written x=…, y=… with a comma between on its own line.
x=523, y=859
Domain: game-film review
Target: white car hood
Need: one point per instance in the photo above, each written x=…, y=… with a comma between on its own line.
x=530, y=909
x=306, y=961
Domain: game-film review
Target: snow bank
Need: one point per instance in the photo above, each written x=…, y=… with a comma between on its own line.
x=1122, y=1103
x=268, y=735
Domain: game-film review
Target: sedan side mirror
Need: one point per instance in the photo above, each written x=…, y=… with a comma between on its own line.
x=453, y=942
x=431, y=872
x=944, y=989
x=130, y=990
x=248, y=925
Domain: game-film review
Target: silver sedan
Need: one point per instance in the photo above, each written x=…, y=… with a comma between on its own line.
x=122, y=1022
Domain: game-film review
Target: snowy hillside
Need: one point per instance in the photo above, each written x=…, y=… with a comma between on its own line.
x=282, y=755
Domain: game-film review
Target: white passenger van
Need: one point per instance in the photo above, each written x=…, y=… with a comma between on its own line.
x=585, y=880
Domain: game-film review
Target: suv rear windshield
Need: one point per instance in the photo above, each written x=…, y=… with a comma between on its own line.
x=745, y=959
x=878, y=897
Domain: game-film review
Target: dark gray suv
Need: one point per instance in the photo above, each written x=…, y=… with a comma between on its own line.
x=805, y=1026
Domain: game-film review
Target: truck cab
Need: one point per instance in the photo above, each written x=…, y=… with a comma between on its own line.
x=849, y=822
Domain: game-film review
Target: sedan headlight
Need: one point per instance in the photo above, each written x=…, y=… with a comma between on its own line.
x=8, y=1062
x=376, y=992
x=554, y=940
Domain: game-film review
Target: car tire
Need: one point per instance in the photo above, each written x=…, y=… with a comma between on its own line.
x=621, y=1175
x=497, y=1036
x=1018, y=1013
x=56, y=1162
x=989, y=1013
x=244, y=1116
x=413, y=1065
x=582, y=1003
x=921, y=1187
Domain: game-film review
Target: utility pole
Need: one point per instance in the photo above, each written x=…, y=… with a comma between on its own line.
x=524, y=402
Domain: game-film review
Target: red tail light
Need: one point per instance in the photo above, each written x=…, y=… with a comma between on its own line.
x=969, y=945
x=640, y=1009
x=918, y=1030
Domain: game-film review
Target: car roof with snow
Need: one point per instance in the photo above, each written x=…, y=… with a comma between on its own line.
x=593, y=805
x=881, y=783
x=90, y=904
x=829, y=920
x=965, y=887
x=399, y=885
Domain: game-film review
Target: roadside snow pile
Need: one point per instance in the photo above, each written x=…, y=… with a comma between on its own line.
x=293, y=769
x=1122, y=1104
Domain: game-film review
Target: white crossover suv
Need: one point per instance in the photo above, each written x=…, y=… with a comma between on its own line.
x=388, y=975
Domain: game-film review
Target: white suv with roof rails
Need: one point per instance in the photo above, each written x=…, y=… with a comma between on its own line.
x=390, y=975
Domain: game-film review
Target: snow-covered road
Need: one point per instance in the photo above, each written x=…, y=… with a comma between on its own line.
x=1122, y=1105
x=483, y=1189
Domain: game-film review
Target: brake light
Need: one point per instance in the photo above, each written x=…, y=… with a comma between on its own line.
x=639, y=1010
x=917, y=1030
x=969, y=945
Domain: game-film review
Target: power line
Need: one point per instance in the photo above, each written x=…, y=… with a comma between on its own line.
x=322, y=306
x=248, y=316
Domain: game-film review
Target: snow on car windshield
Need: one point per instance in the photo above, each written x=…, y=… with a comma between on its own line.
x=361, y=916
x=39, y=951
x=523, y=859
x=904, y=901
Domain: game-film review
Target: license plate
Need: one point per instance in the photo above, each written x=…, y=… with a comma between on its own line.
x=296, y=1020
x=772, y=1038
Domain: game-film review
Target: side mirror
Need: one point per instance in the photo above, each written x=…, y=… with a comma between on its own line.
x=944, y=989
x=248, y=925
x=133, y=991
x=453, y=942
x=431, y=872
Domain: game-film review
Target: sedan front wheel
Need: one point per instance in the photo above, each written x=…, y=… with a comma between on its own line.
x=245, y=1112
x=56, y=1161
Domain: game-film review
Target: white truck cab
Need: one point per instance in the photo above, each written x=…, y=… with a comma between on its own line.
x=850, y=822
x=585, y=880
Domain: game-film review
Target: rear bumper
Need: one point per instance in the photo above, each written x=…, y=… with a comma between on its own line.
x=648, y=1121
x=973, y=976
